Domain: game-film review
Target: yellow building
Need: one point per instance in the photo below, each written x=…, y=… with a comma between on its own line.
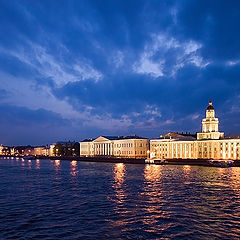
x=1, y=149
x=209, y=144
x=51, y=149
x=41, y=151
x=120, y=146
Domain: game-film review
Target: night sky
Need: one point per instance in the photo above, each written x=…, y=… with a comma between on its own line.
x=70, y=70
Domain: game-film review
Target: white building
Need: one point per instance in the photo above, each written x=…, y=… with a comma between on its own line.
x=120, y=146
x=210, y=143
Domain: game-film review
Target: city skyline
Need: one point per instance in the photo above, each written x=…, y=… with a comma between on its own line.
x=78, y=69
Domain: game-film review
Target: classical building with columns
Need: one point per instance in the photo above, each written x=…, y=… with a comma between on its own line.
x=119, y=146
x=208, y=144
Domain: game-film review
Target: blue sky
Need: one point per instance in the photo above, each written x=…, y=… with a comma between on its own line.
x=76, y=69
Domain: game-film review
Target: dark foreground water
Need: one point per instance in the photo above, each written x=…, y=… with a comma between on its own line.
x=44, y=199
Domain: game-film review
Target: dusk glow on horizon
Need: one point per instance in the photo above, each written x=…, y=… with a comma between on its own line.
x=71, y=70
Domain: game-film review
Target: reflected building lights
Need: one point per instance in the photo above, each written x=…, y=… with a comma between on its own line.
x=22, y=162
x=57, y=164
x=29, y=164
x=73, y=169
x=152, y=190
x=38, y=164
x=187, y=169
x=235, y=180
x=152, y=172
x=119, y=173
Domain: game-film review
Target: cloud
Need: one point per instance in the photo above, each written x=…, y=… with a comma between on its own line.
x=232, y=62
x=145, y=67
x=24, y=93
x=56, y=68
x=118, y=59
x=165, y=55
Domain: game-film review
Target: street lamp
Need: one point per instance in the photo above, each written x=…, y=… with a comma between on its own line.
x=148, y=155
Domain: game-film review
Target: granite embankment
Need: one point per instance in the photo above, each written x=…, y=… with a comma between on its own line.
x=191, y=162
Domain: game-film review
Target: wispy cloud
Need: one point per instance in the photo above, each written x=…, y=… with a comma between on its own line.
x=165, y=55
x=44, y=99
x=54, y=67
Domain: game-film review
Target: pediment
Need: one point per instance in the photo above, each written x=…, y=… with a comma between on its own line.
x=101, y=139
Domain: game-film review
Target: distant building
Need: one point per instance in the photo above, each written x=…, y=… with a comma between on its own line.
x=119, y=146
x=29, y=151
x=51, y=149
x=210, y=143
x=41, y=151
x=5, y=150
x=1, y=149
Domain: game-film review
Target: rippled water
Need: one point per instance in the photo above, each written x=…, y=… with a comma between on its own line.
x=44, y=199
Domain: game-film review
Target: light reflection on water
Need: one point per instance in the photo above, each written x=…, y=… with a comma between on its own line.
x=186, y=169
x=29, y=164
x=119, y=172
x=235, y=180
x=23, y=162
x=57, y=165
x=37, y=164
x=73, y=169
x=152, y=193
x=76, y=200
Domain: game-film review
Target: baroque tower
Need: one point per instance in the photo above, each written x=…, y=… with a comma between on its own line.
x=210, y=125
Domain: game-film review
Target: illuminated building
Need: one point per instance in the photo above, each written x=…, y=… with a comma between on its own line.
x=51, y=149
x=41, y=151
x=1, y=149
x=209, y=144
x=120, y=146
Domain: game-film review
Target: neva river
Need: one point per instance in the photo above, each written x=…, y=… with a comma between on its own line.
x=44, y=199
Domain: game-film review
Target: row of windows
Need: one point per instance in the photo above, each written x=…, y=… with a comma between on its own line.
x=116, y=153
x=123, y=145
x=118, y=145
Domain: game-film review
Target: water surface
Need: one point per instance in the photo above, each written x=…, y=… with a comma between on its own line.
x=44, y=199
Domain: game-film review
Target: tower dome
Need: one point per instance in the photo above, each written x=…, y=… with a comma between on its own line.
x=210, y=125
x=210, y=106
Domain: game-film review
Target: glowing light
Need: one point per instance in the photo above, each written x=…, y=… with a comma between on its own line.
x=73, y=171
x=186, y=169
x=38, y=164
x=119, y=171
x=74, y=163
x=152, y=172
x=57, y=163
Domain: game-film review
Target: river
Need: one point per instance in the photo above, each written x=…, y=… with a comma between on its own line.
x=53, y=199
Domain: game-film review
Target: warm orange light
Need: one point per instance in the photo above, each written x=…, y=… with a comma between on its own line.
x=57, y=162
x=186, y=169
x=152, y=172
x=74, y=163
x=37, y=163
x=73, y=168
x=119, y=171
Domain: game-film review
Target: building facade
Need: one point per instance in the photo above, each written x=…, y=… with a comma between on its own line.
x=209, y=144
x=120, y=146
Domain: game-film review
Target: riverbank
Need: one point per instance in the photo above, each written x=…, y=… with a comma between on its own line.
x=191, y=162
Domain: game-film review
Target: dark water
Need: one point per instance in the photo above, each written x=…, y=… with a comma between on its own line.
x=72, y=200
